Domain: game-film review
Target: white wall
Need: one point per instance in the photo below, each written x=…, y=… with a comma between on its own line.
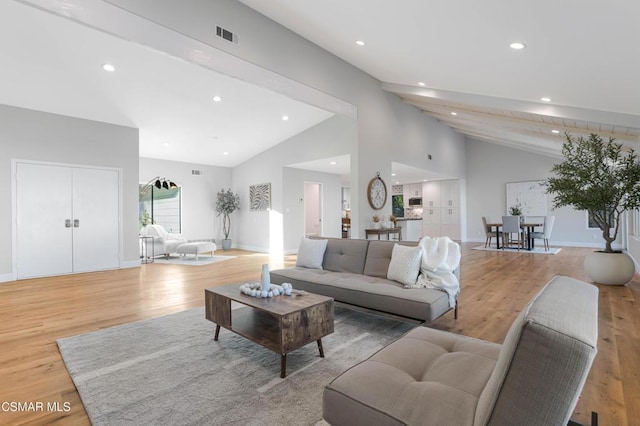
x=33, y=135
x=491, y=166
x=199, y=220
x=293, y=205
x=267, y=231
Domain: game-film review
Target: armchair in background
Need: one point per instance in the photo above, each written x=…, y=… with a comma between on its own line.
x=164, y=243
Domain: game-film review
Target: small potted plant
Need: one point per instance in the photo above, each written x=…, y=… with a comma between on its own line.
x=515, y=210
x=226, y=203
x=393, y=219
x=375, y=224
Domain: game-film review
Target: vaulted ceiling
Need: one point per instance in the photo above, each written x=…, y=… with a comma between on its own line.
x=582, y=54
x=451, y=58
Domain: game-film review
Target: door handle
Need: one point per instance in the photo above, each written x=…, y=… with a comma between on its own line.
x=67, y=223
x=76, y=223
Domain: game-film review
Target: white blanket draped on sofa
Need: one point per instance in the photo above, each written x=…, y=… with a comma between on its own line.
x=440, y=257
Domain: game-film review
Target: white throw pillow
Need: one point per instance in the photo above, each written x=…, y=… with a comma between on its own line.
x=311, y=253
x=405, y=264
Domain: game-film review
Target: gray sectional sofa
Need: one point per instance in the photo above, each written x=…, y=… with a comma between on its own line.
x=355, y=272
x=432, y=377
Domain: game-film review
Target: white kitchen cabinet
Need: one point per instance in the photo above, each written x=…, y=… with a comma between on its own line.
x=431, y=194
x=441, y=209
x=449, y=193
x=411, y=190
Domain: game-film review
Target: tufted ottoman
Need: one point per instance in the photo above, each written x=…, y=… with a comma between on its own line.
x=196, y=248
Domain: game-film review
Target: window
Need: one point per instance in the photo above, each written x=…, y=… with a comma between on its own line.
x=634, y=222
x=591, y=223
x=161, y=206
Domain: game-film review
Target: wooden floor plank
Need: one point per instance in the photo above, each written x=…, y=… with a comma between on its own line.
x=495, y=287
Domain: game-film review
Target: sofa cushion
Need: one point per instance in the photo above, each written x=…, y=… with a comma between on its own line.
x=379, y=257
x=405, y=264
x=374, y=293
x=345, y=255
x=311, y=253
x=427, y=374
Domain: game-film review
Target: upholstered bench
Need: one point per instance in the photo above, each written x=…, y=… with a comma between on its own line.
x=196, y=248
x=432, y=377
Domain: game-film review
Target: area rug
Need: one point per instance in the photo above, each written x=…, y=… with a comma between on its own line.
x=191, y=260
x=170, y=371
x=536, y=250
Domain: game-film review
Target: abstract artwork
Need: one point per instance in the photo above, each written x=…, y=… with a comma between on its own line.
x=260, y=197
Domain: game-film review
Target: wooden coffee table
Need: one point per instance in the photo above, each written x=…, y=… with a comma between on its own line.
x=282, y=323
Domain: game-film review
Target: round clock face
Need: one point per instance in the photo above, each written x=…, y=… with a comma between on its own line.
x=377, y=193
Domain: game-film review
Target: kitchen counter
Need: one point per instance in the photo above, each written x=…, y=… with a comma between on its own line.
x=411, y=228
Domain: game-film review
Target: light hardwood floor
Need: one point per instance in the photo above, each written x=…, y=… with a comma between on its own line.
x=495, y=287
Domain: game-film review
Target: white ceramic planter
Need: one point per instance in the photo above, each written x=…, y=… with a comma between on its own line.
x=609, y=268
x=226, y=244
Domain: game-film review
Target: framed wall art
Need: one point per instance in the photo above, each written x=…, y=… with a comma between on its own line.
x=260, y=197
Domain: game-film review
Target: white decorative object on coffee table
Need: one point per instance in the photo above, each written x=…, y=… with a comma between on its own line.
x=254, y=289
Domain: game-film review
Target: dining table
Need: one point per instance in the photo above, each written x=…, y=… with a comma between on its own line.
x=527, y=226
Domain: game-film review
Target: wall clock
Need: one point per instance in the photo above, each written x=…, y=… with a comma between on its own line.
x=377, y=192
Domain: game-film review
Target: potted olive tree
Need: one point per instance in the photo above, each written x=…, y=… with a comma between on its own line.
x=226, y=203
x=602, y=178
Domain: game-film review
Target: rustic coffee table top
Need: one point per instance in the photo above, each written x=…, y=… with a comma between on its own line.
x=280, y=305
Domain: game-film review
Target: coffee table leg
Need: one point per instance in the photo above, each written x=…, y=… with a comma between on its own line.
x=217, y=332
x=320, y=348
x=283, y=366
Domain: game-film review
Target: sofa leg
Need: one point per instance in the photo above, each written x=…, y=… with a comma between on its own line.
x=455, y=311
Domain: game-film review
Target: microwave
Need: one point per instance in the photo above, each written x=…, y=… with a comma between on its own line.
x=415, y=202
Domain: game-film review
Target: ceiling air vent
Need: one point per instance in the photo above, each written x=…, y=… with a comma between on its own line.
x=196, y=172
x=226, y=34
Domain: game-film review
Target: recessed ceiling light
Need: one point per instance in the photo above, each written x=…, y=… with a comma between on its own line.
x=555, y=131
x=516, y=45
x=333, y=163
x=360, y=42
x=225, y=153
x=285, y=117
x=393, y=174
x=397, y=183
x=454, y=113
x=108, y=67
x=217, y=99
x=545, y=99
x=165, y=144
x=424, y=180
x=422, y=83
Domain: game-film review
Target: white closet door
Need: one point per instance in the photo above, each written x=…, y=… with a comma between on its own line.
x=95, y=215
x=44, y=206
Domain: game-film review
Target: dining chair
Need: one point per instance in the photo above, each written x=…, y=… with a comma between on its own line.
x=511, y=225
x=488, y=232
x=546, y=231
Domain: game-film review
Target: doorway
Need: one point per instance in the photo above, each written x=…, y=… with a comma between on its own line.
x=312, y=209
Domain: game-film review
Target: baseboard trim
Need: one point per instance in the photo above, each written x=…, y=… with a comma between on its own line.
x=251, y=248
x=4, y=278
x=130, y=264
x=559, y=243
